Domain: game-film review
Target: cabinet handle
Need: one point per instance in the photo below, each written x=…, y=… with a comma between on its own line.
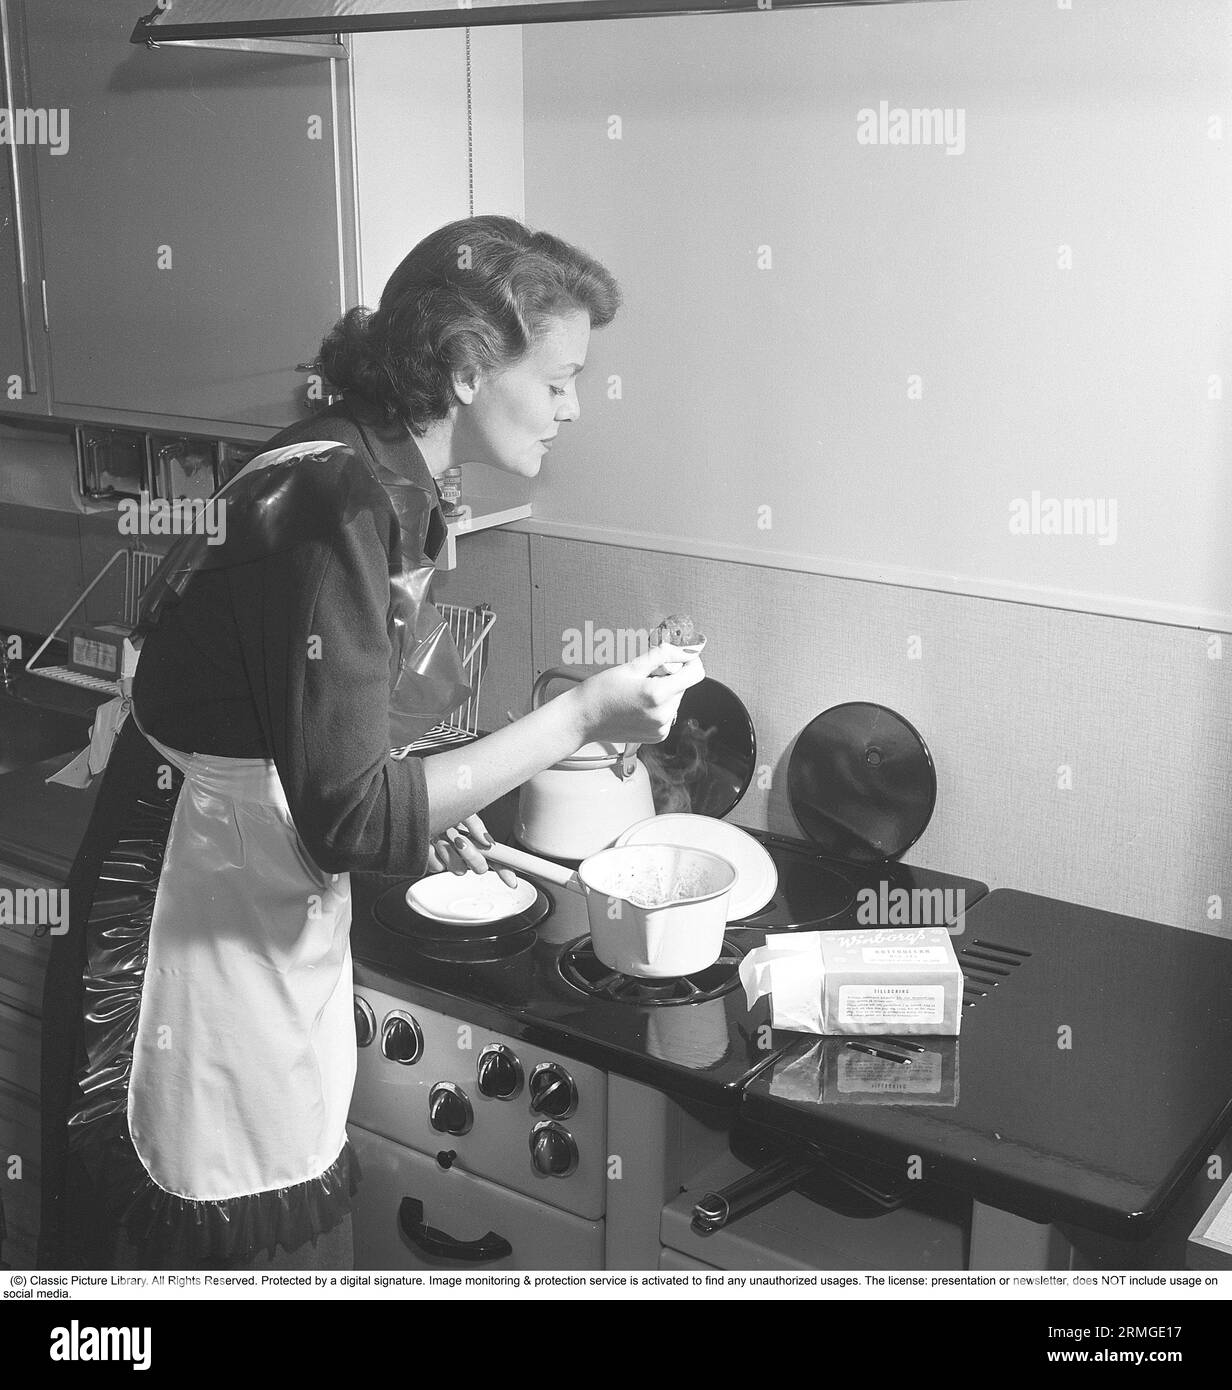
x=19, y=230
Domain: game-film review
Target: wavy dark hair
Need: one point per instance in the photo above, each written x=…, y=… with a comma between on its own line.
x=475, y=294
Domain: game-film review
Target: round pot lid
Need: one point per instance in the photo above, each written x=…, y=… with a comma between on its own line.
x=706, y=762
x=861, y=783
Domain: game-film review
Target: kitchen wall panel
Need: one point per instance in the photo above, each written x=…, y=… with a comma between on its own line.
x=1059, y=287
x=1008, y=696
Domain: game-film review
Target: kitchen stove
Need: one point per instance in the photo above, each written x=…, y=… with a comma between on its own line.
x=656, y=1069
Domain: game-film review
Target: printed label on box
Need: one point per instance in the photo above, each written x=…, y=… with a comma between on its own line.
x=869, y=1004
x=920, y=1076
x=906, y=955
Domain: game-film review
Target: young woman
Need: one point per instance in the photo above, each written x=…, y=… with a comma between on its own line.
x=199, y=1049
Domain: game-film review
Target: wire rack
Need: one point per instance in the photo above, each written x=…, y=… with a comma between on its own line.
x=139, y=566
x=469, y=628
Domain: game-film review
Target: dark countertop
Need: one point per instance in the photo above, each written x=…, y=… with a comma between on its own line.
x=1087, y=1085
x=41, y=826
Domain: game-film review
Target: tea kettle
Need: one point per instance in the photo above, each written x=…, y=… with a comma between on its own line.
x=582, y=803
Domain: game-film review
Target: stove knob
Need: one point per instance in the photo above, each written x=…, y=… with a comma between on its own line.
x=365, y=1023
x=500, y=1073
x=449, y=1109
x=552, y=1091
x=552, y=1150
x=401, y=1039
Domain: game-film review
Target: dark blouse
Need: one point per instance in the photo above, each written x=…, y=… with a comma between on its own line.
x=227, y=670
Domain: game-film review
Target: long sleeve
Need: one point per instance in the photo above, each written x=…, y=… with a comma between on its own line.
x=312, y=630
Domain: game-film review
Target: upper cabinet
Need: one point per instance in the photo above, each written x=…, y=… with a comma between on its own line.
x=23, y=341
x=194, y=249
x=206, y=215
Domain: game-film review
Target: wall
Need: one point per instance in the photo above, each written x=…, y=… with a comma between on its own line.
x=1013, y=700
x=887, y=264
x=788, y=388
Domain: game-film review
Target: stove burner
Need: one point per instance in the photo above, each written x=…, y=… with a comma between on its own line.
x=808, y=893
x=477, y=950
x=436, y=937
x=580, y=967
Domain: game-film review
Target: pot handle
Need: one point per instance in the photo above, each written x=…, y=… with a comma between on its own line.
x=563, y=673
x=511, y=858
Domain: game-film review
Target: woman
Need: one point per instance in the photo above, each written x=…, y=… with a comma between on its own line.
x=199, y=1049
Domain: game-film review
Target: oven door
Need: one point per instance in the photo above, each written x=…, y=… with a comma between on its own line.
x=412, y=1214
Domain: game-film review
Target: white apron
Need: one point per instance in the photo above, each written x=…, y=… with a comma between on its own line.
x=244, y=1058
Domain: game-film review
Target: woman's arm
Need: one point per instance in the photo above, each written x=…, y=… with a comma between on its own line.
x=312, y=627
x=624, y=704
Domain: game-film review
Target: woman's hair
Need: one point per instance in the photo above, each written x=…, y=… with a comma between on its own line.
x=478, y=293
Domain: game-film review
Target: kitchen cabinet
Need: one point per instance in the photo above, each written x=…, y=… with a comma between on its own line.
x=23, y=342
x=194, y=243
x=199, y=228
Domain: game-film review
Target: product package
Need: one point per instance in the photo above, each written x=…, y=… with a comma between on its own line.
x=885, y=980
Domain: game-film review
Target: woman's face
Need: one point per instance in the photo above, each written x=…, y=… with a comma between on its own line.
x=513, y=415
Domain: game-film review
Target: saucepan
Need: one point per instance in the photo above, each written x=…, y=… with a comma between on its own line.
x=655, y=911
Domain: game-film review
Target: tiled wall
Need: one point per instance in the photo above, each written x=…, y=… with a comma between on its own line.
x=1008, y=697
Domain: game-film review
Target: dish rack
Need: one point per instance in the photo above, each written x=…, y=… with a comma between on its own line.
x=469, y=628
x=139, y=567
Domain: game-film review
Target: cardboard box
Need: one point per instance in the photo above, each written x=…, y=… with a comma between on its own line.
x=97, y=649
x=890, y=980
x=879, y=981
x=1210, y=1241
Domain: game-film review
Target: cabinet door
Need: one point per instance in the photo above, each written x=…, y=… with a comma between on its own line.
x=191, y=232
x=23, y=344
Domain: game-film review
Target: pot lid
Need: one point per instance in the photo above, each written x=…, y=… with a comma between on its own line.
x=706, y=762
x=861, y=783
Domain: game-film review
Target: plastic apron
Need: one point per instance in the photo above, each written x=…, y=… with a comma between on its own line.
x=219, y=1022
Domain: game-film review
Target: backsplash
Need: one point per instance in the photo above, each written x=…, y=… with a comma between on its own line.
x=1078, y=756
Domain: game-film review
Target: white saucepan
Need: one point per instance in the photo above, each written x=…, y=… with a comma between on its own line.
x=655, y=911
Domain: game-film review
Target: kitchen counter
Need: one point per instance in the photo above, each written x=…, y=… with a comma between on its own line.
x=1089, y=1082
x=41, y=825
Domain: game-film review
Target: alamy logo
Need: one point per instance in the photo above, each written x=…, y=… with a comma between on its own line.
x=179, y=516
x=46, y=908
x=77, y=1343
x=35, y=126
x=1065, y=516
x=919, y=125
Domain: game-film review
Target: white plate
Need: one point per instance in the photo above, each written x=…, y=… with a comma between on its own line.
x=469, y=897
x=756, y=876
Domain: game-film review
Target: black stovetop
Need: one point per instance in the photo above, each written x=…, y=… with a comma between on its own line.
x=704, y=1048
x=1092, y=1075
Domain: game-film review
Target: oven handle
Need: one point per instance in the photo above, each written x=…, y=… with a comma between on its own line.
x=445, y=1247
x=719, y=1209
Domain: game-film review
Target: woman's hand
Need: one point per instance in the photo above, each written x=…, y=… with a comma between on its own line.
x=455, y=851
x=630, y=704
